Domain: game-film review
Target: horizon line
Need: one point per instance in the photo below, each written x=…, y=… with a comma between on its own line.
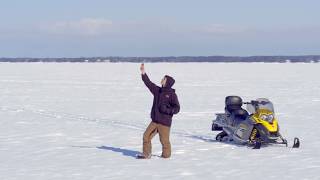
x=157, y=56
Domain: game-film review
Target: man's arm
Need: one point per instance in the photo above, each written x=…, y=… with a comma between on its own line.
x=175, y=105
x=151, y=86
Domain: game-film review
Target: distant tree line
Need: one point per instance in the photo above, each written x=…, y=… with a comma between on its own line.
x=228, y=59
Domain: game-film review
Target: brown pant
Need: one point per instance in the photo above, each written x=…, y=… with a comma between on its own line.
x=164, y=133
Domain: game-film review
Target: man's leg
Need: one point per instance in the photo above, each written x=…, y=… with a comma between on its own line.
x=164, y=133
x=150, y=132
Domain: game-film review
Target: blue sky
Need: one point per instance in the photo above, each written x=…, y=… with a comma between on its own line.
x=74, y=28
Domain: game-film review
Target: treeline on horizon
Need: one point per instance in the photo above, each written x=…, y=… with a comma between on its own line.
x=228, y=59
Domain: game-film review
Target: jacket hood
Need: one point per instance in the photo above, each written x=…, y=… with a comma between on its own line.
x=170, y=81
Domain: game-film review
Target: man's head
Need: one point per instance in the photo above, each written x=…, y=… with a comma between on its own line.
x=167, y=81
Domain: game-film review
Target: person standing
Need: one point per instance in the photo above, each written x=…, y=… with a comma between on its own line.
x=165, y=105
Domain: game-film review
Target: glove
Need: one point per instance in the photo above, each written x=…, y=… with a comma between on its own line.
x=166, y=109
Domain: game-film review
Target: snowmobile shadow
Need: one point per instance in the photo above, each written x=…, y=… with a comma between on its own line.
x=202, y=138
x=125, y=152
x=210, y=140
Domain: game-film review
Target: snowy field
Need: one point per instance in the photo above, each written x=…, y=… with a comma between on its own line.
x=85, y=121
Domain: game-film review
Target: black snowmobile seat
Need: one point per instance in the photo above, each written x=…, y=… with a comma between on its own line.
x=240, y=114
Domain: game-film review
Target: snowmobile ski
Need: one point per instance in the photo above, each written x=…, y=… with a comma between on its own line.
x=296, y=143
x=257, y=144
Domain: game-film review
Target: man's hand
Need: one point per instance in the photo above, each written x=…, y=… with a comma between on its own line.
x=142, y=69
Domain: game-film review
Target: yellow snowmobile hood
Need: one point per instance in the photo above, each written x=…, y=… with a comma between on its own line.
x=271, y=127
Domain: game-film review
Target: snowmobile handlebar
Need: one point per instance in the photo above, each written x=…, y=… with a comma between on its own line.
x=256, y=102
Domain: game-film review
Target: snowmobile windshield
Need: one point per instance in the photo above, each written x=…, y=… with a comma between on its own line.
x=260, y=103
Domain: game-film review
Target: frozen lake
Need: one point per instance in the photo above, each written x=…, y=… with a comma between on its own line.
x=85, y=121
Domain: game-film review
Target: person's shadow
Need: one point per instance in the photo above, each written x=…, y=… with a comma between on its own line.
x=125, y=152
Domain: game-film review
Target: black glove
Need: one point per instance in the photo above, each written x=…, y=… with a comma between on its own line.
x=166, y=109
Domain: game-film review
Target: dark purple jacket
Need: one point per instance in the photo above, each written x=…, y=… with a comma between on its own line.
x=165, y=101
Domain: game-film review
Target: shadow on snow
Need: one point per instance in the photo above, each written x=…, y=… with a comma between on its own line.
x=125, y=152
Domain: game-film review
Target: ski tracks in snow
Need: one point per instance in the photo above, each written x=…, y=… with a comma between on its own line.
x=105, y=121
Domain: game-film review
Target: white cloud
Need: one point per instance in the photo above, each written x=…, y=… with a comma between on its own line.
x=86, y=26
x=221, y=29
x=96, y=27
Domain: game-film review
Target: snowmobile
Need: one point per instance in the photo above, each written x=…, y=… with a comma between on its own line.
x=254, y=126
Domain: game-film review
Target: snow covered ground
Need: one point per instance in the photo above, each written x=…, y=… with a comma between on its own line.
x=85, y=121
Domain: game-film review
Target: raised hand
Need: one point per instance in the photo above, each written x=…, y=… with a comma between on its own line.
x=142, y=68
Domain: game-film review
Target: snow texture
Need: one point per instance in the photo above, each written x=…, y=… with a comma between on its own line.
x=85, y=121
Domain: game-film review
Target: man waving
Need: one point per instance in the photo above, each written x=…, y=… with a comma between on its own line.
x=165, y=105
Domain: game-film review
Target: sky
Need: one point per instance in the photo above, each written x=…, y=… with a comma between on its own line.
x=86, y=28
